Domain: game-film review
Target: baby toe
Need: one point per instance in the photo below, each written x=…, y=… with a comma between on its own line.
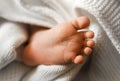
x=78, y=59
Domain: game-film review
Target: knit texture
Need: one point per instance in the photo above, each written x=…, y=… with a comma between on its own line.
x=37, y=12
x=107, y=12
x=11, y=37
x=105, y=18
x=105, y=22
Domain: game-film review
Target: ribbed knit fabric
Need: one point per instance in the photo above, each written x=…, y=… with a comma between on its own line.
x=105, y=22
x=105, y=14
x=14, y=72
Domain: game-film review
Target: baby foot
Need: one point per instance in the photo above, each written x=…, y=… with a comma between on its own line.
x=60, y=45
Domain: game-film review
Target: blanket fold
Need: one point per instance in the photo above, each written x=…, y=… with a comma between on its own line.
x=44, y=13
x=48, y=13
x=34, y=12
x=12, y=35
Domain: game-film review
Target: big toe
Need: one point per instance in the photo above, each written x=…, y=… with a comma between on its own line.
x=67, y=28
x=81, y=22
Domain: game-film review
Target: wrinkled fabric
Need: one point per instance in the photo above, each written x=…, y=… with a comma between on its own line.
x=105, y=23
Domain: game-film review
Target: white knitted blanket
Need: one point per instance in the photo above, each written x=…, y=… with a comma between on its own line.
x=48, y=13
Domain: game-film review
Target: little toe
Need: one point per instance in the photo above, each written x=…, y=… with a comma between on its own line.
x=81, y=22
x=87, y=51
x=78, y=59
x=89, y=34
x=89, y=43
